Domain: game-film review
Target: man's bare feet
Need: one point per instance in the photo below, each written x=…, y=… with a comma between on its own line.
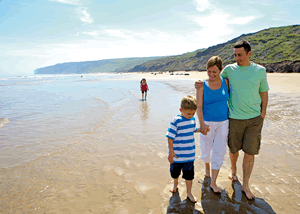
x=191, y=197
x=248, y=193
x=232, y=177
x=215, y=189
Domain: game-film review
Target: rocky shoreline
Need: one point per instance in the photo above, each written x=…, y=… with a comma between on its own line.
x=283, y=67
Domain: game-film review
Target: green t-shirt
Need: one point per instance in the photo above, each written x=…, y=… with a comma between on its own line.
x=245, y=83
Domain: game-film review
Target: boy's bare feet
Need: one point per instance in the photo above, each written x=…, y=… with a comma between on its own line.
x=191, y=197
x=248, y=193
x=215, y=189
x=232, y=177
x=173, y=191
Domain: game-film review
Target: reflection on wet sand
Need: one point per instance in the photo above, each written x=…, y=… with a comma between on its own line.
x=233, y=201
x=178, y=206
x=144, y=112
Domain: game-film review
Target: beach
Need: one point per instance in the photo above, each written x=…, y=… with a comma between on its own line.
x=90, y=145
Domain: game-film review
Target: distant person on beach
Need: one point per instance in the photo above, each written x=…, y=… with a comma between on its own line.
x=247, y=109
x=144, y=88
x=181, y=143
x=212, y=111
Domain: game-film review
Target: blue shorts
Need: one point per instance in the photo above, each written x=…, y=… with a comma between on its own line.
x=187, y=170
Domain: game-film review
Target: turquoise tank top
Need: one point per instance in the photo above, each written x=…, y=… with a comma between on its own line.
x=215, y=107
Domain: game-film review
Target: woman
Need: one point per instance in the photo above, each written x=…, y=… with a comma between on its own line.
x=212, y=113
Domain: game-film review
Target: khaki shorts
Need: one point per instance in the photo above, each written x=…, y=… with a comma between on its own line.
x=245, y=135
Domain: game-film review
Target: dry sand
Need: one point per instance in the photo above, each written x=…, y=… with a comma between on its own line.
x=278, y=82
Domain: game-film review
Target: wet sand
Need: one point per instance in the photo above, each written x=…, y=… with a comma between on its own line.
x=122, y=167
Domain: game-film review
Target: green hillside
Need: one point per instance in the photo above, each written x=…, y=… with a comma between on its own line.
x=278, y=49
x=106, y=65
x=271, y=47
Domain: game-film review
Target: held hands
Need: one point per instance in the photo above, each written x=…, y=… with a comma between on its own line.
x=171, y=156
x=204, y=129
x=198, y=84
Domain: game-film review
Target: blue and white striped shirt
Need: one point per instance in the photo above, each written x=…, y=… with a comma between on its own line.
x=181, y=131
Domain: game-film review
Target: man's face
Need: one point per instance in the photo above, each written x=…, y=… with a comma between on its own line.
x=241, y=57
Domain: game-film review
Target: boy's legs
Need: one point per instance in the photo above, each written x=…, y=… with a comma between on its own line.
x=142, y=95
x=188, y=174
x=175, y=169
x=175, y=185
x=145, y=95
x=189, y=190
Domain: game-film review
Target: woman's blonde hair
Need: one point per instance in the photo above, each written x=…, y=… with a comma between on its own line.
x=214, y=60
x=189, y=102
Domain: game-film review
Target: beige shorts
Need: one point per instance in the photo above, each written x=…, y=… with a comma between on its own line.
x=245, y=135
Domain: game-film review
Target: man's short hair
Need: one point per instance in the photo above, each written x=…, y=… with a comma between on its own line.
x=189, y=102
x=243, y=43
x=214, y=60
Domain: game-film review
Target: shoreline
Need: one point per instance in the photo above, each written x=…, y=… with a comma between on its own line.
x=278, y=82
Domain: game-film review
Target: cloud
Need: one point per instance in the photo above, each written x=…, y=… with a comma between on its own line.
x=202, y=5
x=72, y=2
x=85, y=16
x=216, y=23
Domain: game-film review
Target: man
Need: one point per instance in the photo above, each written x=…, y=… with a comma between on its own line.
x=247, y=109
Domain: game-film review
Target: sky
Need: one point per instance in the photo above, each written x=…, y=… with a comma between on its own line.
x=40, y=33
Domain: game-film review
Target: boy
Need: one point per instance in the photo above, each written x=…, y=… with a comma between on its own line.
x=181, y=143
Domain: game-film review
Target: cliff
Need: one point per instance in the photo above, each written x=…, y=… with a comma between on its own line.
x=278, y=49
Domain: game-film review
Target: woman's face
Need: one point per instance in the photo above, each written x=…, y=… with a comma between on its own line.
x=213, y=72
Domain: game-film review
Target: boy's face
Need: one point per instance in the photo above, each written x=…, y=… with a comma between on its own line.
x=187, y=113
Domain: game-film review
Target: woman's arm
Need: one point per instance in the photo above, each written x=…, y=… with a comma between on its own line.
x=199, y=96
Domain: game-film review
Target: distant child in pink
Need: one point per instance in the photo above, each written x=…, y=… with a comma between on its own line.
x=144, y=88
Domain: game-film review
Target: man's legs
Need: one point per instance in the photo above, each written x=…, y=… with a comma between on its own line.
x=248, y=164
x=233, y=160
x=251, y=146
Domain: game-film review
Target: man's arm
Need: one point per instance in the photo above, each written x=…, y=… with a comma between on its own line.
x=264, y=102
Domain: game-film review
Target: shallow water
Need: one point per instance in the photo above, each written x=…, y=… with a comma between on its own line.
x=90, y=145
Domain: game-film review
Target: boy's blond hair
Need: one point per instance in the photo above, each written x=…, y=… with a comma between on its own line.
x=189, y=102
x=214, y=60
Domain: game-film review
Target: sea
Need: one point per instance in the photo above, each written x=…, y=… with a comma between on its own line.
x=88, y=143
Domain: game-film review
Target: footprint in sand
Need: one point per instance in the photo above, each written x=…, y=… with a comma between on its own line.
x=161, y=154
x=107, y=168
x=127, y=162
x=141, y=188
x=119, y=171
